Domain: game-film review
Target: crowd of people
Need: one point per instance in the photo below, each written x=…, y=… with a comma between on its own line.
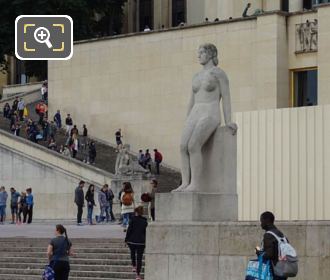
x=145, y=159
x=105, y=198
x=47, y=130
x=20, y=204
x=132, y=217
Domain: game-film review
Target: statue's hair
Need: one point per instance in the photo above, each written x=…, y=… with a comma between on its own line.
x=212, y=51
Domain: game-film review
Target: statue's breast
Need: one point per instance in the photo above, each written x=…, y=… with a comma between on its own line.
x=196, y=85
x=209, y=82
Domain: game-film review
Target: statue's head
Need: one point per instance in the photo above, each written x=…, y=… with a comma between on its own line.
x=207, y=52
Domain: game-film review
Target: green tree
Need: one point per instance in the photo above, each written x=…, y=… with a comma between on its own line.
x=91, y=18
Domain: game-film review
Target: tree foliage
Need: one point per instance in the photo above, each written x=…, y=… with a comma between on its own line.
x=91, y=18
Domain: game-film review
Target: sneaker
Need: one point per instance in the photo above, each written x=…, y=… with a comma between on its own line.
x=134, y=269
x=138, y=277
x=80, y=224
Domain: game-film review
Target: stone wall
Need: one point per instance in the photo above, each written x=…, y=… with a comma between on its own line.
x=220, y=251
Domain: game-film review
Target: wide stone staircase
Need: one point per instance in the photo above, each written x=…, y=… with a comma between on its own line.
x=168, y=180
x=25, y=259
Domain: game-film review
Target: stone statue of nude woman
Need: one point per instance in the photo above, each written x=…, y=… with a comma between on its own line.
x=209, y=86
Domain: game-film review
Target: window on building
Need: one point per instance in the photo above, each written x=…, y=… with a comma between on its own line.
x=316, y=2
x=285, y=5
x=178, y=12
x=304, y=88
x=307, y=4
x=146, y=14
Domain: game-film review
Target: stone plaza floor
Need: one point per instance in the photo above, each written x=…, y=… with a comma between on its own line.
x=45, y=229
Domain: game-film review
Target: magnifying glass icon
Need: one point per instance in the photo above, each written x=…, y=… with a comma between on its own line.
x=41, y=35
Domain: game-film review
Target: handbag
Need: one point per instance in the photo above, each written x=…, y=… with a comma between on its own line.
x=259, y=269
x=49, y=273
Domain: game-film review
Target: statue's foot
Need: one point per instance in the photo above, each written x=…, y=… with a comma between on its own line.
x=181, y=188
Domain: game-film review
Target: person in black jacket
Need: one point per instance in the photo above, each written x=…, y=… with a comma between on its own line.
x=270, y=244
x=79, y=200
x=90, y=203
x=136, y=239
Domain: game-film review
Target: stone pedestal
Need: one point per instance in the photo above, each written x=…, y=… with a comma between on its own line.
x=185, y=242
x=183, y=206
x=221, y=251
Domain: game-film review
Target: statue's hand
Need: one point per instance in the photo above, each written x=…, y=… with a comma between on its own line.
x=233, y=127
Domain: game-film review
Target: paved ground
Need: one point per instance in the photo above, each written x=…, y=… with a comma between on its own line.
x=42, y=230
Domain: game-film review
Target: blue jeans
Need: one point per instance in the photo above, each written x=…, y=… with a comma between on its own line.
x=105, y=210
x=2, y=212
x=90, y=214
x=126, y=218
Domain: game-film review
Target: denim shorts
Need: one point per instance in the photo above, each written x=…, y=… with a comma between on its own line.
x=3, y=210
x=14, y=210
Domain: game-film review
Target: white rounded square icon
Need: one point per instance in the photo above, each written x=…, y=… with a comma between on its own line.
x=43, y=37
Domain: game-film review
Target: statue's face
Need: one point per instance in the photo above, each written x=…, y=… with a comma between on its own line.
x=203, y=56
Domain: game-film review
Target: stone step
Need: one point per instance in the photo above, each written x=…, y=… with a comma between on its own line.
x=74, y=267
x=38, y=277
x=75, y=249
x=76, y=245
x=75, y=240
x=74, y=273
x=23, y=260
x=82, y=256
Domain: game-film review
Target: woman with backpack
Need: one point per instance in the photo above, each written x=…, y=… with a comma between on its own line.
x=90, y=203
x=58, y=251
x=127, y=201
x=136, y=239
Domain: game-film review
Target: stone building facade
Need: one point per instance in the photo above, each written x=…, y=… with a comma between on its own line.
x=275, y=61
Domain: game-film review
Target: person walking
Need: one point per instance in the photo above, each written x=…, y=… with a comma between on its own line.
x=41, y=110
x=147, y=160
x=68, y=123
x=20, y=108
x=22, y=208
x=79, y=200
x=136, y=239
x=110, y=197
x=3, y=204
x=58, y=119
x=14, y=205
x=127, y=200
x=91, y=152
x=104, y=204
x=90, y=203
x=75, y=145
x=270, y=243
x=58, y=252
x=141, y=158
x=152, y=194
x=118, y=139
x=29, y=204
x=158, y=159
x=6, y=111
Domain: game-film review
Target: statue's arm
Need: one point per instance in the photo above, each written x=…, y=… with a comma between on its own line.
x=226, y=104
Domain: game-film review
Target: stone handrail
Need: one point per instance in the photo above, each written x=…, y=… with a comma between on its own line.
x=54, y=159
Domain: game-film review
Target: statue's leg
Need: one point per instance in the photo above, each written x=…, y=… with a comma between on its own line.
x=185, y=159
x=202, y=132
